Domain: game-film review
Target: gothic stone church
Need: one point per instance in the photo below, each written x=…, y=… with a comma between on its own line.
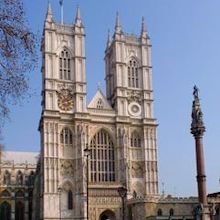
x=118, y=129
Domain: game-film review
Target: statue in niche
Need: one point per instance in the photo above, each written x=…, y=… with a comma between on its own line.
x=19, y=179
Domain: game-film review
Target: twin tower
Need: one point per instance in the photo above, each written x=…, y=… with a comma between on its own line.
x=119, y=129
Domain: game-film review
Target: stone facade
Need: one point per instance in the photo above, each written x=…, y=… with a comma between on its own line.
x=119, y=130
x=16, y=184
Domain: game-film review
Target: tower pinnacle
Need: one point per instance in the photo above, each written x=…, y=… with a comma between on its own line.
x=143, y=28
x=117, y=24
x=78, y=20
x=49, y=16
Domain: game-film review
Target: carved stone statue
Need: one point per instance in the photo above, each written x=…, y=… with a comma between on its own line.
x=195, y=92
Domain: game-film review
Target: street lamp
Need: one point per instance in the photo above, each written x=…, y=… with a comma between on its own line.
x=59, y=191
x=122, y=191
x=87, y=152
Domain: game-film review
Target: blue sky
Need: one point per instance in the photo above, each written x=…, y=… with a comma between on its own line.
x=186, y=50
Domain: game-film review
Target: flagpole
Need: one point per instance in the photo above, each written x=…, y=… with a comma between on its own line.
x=61, y=10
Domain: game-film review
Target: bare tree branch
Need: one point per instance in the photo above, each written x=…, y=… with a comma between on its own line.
x=18, y=55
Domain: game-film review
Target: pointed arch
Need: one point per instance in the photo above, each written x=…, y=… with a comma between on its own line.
x=19, y=194
x=5, y=194
x=133, y=73
x=171, y=212
x=135, y=139
x=5, y=211
x=65, y=64
x=159, y=212
x=19, y=210
x=107, y=215
x=66, y=136
x=102, y=158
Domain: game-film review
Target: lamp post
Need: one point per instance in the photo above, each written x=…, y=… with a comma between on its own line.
x=59, y=191
x=122, y=191
x=86, y=154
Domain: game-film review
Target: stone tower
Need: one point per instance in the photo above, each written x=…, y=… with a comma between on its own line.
x=129, y=91
x=119, y=130
x=63, y=98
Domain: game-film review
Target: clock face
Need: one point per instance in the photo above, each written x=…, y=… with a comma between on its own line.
x=134, y=109
x=65, y=100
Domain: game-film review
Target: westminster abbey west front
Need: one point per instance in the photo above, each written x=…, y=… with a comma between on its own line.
x=90, y=151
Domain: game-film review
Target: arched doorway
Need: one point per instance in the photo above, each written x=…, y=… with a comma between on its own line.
x=107, y=215
x=19, y=211
x=5, y=211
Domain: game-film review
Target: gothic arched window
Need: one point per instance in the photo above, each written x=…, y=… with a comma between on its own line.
x=19, y=178
x=70, y=200
x=133, y=76
x=5, y=211
x=7, y=178
x=19, y=210
x=66, y=136
x=64, y=65
x=100, y=104
x=102, y=162
x=159, y=212
x=171, y=212
x=135, y=139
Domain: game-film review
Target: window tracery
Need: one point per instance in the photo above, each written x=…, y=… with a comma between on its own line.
x=135, y=140
x=133, y=76
x=102, y=162
x=66, y=137
x=64, y=65
x=100, y=104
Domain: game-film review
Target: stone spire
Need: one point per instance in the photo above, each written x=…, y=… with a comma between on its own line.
x=143, y=28
x=78, y=21
x=49, y=16
x=118, y=29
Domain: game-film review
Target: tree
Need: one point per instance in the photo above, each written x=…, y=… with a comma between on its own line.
x=18, y=54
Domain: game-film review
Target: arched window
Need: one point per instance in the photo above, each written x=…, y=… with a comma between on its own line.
x=135, y=139
x=19, y=194
x=159, y=212
x=100, y=104
x=19, y=178
x=64, y=65
x=171, y=212
x=19, y=210
x=70, y=200
x=5, y=194
x=5, y=211
x=7, y=178
x=66, y=136
x=133, y=76
x=102, y=162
